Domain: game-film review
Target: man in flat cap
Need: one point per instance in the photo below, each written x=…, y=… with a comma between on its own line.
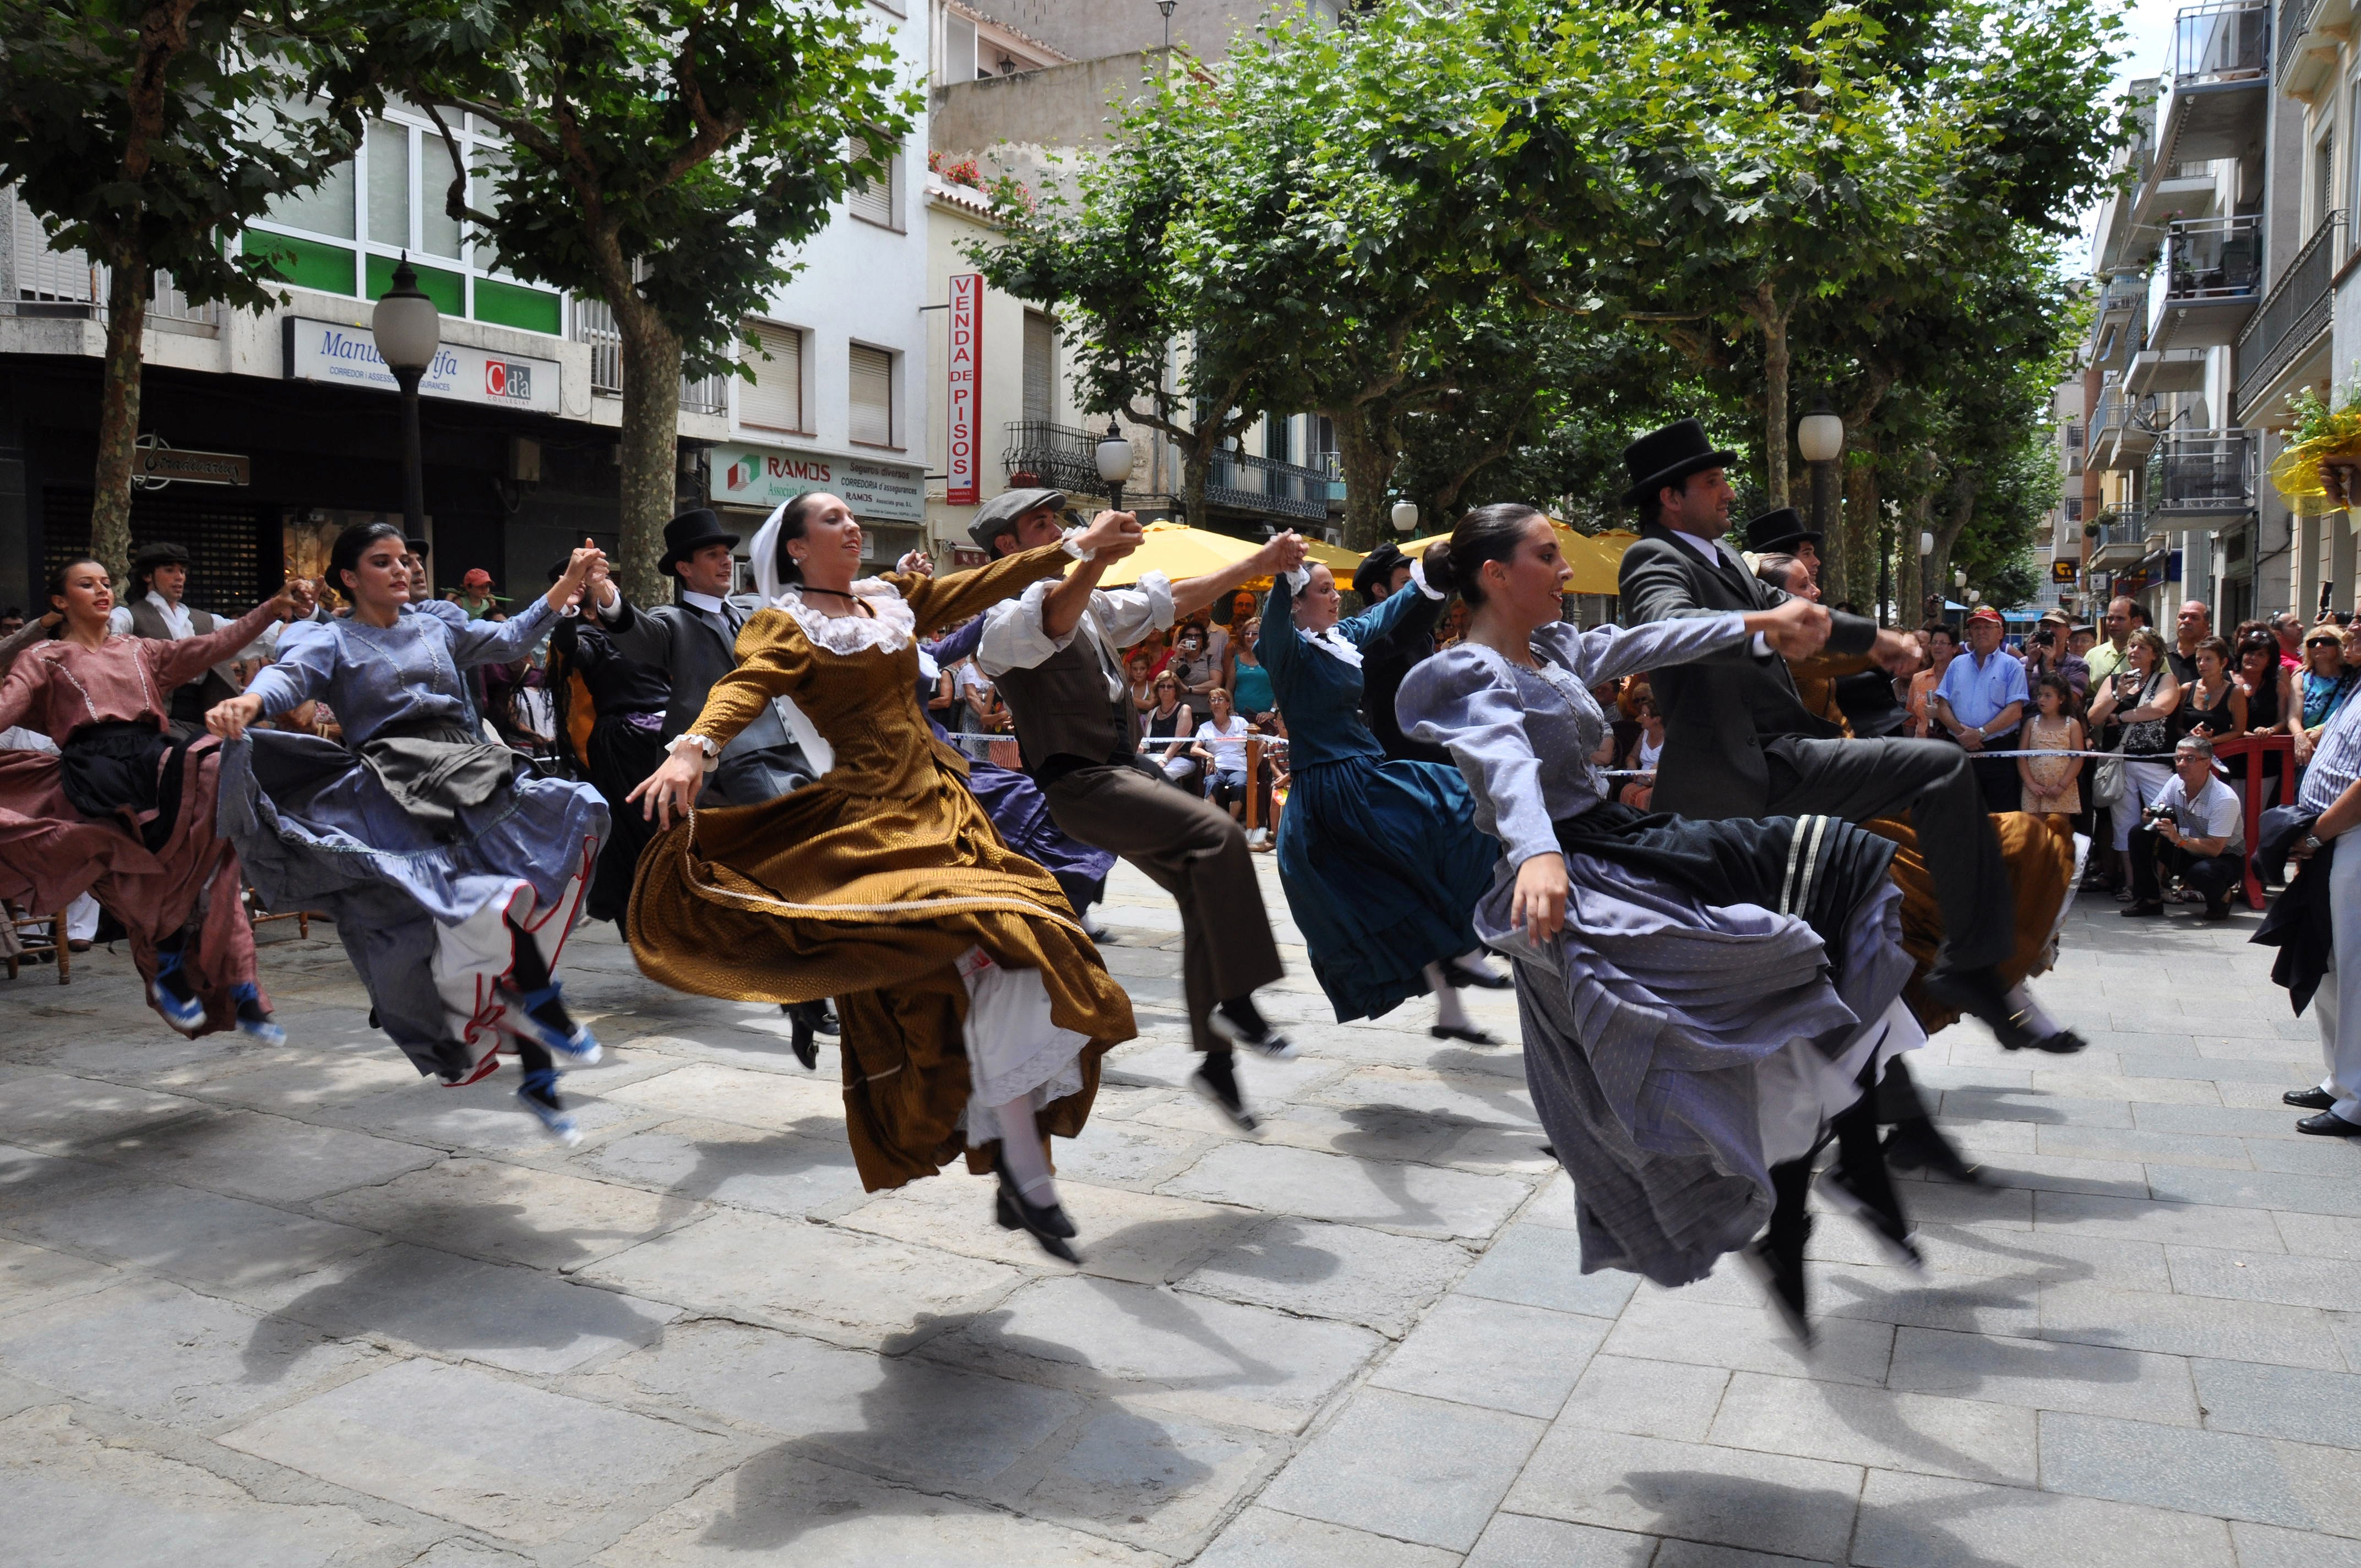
x=159, y=581
x=1740, y=743
x=1054, y=655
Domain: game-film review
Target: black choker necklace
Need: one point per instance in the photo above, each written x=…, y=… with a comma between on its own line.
x=840, y=593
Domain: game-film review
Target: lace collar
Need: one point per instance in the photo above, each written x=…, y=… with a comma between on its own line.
x=1332, y=643
x=891, y=627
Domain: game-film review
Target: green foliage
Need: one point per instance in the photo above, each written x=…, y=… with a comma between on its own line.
x=673, y=150
x=144, y=135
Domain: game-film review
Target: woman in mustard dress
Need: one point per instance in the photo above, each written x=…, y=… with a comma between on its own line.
x=974, y=1009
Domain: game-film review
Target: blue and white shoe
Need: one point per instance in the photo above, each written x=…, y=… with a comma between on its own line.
x=573, y=1045
x=186, y=1014
x=252, y=1021
x=538, y=1094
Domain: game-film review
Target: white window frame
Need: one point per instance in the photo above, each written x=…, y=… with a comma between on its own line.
x=803, y=335
x=896, y=195
x=895, y=435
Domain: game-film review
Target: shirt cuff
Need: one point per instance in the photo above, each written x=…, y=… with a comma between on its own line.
x=1418, y=575
x=1762, y=646
x=1072, y=545
x=1298, y=579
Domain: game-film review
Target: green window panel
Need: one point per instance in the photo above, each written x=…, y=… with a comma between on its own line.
x=447, y=290
x=305, y=263
x=532, y=310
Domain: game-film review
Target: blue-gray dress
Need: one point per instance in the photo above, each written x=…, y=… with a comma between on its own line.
x=1694, y=952
x=1381, y=860
x=420, y=904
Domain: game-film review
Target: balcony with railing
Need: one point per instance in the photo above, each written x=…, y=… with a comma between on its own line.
x=1242, y=482
x=2116, y=544
x=2295, y=318
x=2307, y=37
x=2216, y=101
x=2121, y=431
x=2202, y=476
x=39, y=281
x=2207, y=282
x=1058, y=456
x=593, y=323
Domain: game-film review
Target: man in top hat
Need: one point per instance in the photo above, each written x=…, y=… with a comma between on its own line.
x=1386, y=661
x=1740, y=743
x=159, y=581
x=1054, y=655
x=693, y=643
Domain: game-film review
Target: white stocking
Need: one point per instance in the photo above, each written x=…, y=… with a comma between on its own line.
x=1021, y=1154
x=1448, y=1013
x=1478, y=962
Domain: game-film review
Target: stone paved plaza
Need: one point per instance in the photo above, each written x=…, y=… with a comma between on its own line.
x=268, y=1308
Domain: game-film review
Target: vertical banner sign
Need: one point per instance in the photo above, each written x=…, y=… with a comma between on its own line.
x=965, y=463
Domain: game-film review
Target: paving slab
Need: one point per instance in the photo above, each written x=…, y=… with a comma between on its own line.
x=1157, y=1480
x=1412, y=1199
x=731, y=1165
x=2300, y=1403
x=184, y=1234
x=1521, y=1540
x=511, y=1213
x=1497, y=1355
x=1923, y=1521
x=1415, y=1469
x=1147, y=1237
x=2044, y=1374
x=1348, y=1273
x=1976, y=1440
x=500, y=1456
x=2190, y=1325
x=2228, y=1475
x=1646, y=1399
x=1265, y=1538
x=250, y=1154
x=1728, y=1496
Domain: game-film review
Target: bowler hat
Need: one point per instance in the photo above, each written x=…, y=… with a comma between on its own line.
x=1376, y=566
x=1667, y=456
x=999, y=515
x=1782, y=528
x=691, y=533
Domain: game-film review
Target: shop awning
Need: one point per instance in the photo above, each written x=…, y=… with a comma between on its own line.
x=1596, y=558
x=1179, y=551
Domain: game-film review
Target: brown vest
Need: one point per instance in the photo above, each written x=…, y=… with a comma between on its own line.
x=1062, y=709
x=190, y=702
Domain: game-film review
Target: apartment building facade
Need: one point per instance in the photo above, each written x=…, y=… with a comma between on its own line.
x=2222, y=291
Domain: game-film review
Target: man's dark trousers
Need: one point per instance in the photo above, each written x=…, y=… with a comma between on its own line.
x=1930, y=783
x=2212, y=875
x=1194, y=850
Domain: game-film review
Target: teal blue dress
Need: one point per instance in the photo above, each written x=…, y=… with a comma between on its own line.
x=1381, y=860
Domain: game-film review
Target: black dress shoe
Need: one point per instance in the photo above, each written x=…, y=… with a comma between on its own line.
x=2329, y=1124
x=1780, y=1271
x=2140, y=909
x=2310, y=1099
x=1919, y=1145
x=1473, y=1037
x=2064, y=1043
x=804, y=1018
x=1461, y=977
x=1046, y=1223
x=1216, y=1078
x=1869, y=1197
x=1979, y=993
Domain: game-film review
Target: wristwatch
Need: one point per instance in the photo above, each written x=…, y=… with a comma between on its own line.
x=2311, y=844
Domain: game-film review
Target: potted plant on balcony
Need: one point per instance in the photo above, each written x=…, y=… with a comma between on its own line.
x=2320, y=469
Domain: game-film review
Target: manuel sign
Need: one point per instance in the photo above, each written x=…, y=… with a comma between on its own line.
x=329, y=351
x=766, y=476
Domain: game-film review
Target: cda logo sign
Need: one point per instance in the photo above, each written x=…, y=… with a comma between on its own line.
x=507, y=378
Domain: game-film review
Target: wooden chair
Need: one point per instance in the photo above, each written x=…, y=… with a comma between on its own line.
x=258, y=916
x=54, y=944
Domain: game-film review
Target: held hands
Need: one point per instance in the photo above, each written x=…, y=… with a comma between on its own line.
x=1284, y=552
x=293, y=597
x=1796, y=629
x=918, y=563
x=1111, y=536
x=674, y=785
x=1539, y=904
x=569, y=588
x=1894, y=653
x=229, y=719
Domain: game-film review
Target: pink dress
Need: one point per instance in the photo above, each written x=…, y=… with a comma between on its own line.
x=52, y=853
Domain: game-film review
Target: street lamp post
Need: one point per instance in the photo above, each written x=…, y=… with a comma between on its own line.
x=1404, y=516
x=1166, y=7
x=409, y=332
x=1115, y=463
x=1819, y=437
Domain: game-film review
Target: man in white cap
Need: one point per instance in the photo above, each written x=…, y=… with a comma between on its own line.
x=1054, y=655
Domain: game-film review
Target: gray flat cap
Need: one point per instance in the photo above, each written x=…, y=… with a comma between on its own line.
x=995, y=516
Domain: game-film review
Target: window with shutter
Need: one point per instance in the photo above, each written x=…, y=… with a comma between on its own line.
x=872, y=200
x=774, y=400
x=1040, y=367
x=872, y=396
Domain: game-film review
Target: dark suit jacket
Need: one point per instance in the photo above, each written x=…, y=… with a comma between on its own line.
x=1719, y=710
x=694, y=650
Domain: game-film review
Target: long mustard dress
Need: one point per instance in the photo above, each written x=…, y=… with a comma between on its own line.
x=878, y=884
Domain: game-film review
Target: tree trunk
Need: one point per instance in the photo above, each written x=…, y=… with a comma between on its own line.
x=1848, y=574
x=1196, y=472
x=1963, y=509
x=118, y=413
x=1368, y=461
x=651, y=443
x=1776, y=355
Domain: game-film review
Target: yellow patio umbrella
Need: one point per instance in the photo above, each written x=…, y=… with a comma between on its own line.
x=1181, y=552
x=1596, y=558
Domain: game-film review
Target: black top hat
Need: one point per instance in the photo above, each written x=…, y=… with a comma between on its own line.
x=418, y=547
x=1780, y=529
x=999, y=515
x=1667, y=456
x=691, y=533
x=1376, y=566
x=165, y=553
